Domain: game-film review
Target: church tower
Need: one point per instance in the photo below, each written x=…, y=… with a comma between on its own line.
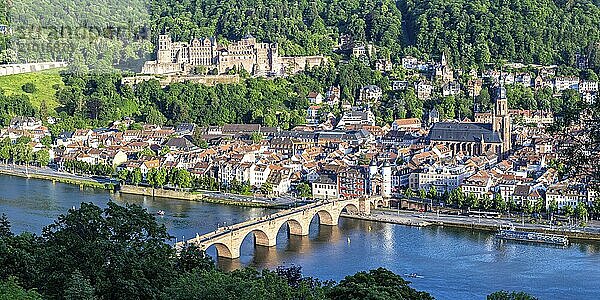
x=444, y=61
x=501, y=119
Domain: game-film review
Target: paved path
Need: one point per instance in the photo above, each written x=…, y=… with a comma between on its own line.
x=46, y=171
x=431, y=217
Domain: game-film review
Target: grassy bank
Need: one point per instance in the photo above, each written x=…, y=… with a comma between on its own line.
x=84, y=183
x=44, y=81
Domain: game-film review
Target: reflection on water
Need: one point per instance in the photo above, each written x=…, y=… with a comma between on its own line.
x=455, y=263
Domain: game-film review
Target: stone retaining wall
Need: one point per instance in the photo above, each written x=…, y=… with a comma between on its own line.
x=12, y=69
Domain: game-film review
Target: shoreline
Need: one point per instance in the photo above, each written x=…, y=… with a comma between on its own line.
x=417, y=222
x=189, y=196
x=200, y=197
x=133, y=190
x=73, y=181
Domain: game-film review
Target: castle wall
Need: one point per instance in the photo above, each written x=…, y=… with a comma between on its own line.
x=255, y=58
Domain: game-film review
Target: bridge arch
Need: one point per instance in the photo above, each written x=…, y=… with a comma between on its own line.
x=296, y=227
x=328, y=217
x=222, y=250
x=351, y=208
x=261, y=238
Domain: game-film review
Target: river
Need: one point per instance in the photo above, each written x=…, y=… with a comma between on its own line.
x=454, y=263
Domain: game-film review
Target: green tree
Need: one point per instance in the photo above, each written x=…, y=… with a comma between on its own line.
x=472, y=201
x=553, y=207
x=581, y=212
x=191, y=258
x=304, y=190
x=409, y=193
x=596, y=207
x=42, y=157
x=504, y=295
x=79, y=288
x=422, y=194
x=266, y=188
x=500, y=203
x=160, y=177
x=123, y=175
x=256, y=137
x=46, y=141
x=487, y=202
x=29, y=88
x=120, y=250
x=136, y=176
x=432, y=193
x=11, y=290
x=375, y=284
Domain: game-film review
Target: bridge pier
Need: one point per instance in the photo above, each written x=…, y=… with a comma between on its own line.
x=262, y=239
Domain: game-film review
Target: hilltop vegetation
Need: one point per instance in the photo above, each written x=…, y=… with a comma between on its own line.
x=46, y=83
x=529, y=31
x=471, y=32
x=101, y=33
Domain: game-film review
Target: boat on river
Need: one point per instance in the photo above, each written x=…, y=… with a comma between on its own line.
x=534, y=237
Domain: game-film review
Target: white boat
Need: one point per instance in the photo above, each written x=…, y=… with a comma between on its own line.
x=160, y=212
x=413, y=275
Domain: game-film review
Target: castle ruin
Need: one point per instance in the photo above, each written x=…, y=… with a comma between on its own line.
x=258, y=59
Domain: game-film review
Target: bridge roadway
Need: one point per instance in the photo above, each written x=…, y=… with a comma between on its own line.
x=228, y=240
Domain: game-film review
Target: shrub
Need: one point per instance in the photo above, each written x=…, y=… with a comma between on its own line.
x=29, y=88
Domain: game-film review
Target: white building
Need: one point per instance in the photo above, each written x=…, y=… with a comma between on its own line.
x=569, y=194
x=315, y=98
x=312, y=115
x=442, y=178
x=409, y=62
x=370, y=93
x=325, y=187
x=357, y=117
x=564, y=83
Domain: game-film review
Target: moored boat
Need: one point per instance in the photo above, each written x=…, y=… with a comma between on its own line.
x=535, y=237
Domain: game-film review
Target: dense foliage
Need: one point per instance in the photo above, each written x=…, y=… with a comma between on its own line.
x=101, y=98
x=471, y=32
x=96, y=33
x=14, y=105
x=122, y=253
x=530, y=31
x=300, y=27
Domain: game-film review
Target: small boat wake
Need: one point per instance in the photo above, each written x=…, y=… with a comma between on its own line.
x=414, y=275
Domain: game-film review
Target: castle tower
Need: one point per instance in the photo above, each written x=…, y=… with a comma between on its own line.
x=444, y=61
x=501, y=118
x=163, y=54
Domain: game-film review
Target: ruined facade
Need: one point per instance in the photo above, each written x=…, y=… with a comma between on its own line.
x=259, y=59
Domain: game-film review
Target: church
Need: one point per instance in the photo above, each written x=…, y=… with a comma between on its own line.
x=473, y=138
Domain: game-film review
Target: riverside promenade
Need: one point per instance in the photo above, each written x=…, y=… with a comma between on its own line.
x=422, y=219
x=46, y=173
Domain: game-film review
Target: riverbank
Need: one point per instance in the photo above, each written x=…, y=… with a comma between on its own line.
x=193, y=196
x=56, y=178
x=408, y=218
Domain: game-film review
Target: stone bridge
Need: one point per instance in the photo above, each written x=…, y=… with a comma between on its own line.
x=228, y=240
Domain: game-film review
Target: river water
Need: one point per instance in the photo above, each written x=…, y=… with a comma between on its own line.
x=454, y=263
